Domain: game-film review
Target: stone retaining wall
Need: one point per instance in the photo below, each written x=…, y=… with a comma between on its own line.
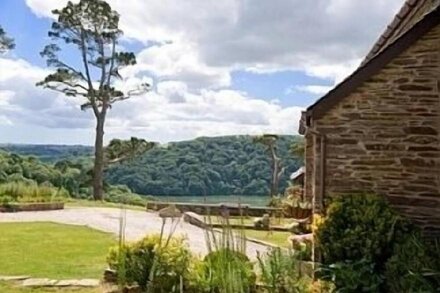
x=216, y=209
x=32, y=207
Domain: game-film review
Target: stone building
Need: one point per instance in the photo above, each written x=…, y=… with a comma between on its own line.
x=378, y=131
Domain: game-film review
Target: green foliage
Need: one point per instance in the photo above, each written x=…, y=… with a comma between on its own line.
x=360, y=226
x=212, y=166
x=226, y=271
x=281, y=272
x=22, y=192
x=170, y=260
x=119, y=150
x=71, y=177
x=356, y=239
x=414, y=266
x=6, y=43
x=353, y=276
x=122, y=194
x=29, y=171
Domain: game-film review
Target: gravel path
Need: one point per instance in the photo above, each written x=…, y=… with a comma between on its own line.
x=138, y=224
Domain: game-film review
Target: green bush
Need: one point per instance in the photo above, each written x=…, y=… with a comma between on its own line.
x=123, y=194
x=152, y=263
x=356, y=238
x=222, y=271
x=281, y=272
x=353, y=276
x=359, y=226
x=414, y=266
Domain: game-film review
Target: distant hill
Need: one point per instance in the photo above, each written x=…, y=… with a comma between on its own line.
x=208, y=165
x=49, y=153
x=229, y=165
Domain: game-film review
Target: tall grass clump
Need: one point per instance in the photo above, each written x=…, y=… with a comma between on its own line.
x=226, y=268
x=281, y=272
x=159, y=263
x=20, y=192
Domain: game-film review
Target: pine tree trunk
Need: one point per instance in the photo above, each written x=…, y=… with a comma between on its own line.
x=273, y=183
x=98, y=169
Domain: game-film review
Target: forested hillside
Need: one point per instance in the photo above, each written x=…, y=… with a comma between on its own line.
x=212, y=166
x=49, y=153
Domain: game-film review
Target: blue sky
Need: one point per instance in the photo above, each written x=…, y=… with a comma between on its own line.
x=235, y=67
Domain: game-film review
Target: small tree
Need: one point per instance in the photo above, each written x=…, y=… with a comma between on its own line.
x=6, y=43
x=92, y=27
x=270, y=141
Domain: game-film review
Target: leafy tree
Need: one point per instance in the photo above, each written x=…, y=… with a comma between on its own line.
x=270, y=141
x=92, y=27
x=298, y=149
x=6, y=43
x=231, y=165
x=120, y=150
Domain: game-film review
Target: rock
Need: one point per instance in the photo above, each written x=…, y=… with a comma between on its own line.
x=263, y=222
x=299, y=241
x=110, y=276
x=293, y=227
x=44, y=282
x=13, y=278
x=194, y=219
x=38, y=282
x=170, y=212
x=86, y=283
x=132, y=289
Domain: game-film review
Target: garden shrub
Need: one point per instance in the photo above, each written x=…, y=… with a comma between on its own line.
x=414, y=266
x=353, y=276
x=281, y=272
x=166, y=263
x=225, y=270
x=356, y=238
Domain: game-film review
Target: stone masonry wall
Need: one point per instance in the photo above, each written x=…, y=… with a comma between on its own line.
x=384, y=138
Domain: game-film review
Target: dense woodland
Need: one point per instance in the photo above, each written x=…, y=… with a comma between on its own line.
x=48, y=152
x=212, y=166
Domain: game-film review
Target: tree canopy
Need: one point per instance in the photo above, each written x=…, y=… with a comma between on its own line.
x=6, y=43
x=212, y=166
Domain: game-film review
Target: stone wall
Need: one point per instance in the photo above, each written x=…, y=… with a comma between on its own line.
x=384, y=138
x=216, y=209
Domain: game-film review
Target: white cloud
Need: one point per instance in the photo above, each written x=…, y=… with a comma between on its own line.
x=171, y=112
x=191, y=48
x=312, y=89
x=256, y=35
x=22, y=102
x=180, y=61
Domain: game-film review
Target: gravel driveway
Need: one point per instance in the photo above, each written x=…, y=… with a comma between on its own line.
x=138, y=224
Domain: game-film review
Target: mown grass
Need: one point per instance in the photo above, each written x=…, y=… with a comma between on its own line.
x=13, y=288
x=278, y=238
x=50, y=250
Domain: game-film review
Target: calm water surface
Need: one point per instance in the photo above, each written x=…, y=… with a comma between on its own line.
x=248, y=199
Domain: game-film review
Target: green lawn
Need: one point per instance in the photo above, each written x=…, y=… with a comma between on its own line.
x=50, y=250
x=274, y=237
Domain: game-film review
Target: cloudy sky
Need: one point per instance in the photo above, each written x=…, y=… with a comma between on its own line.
x=218, y=67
